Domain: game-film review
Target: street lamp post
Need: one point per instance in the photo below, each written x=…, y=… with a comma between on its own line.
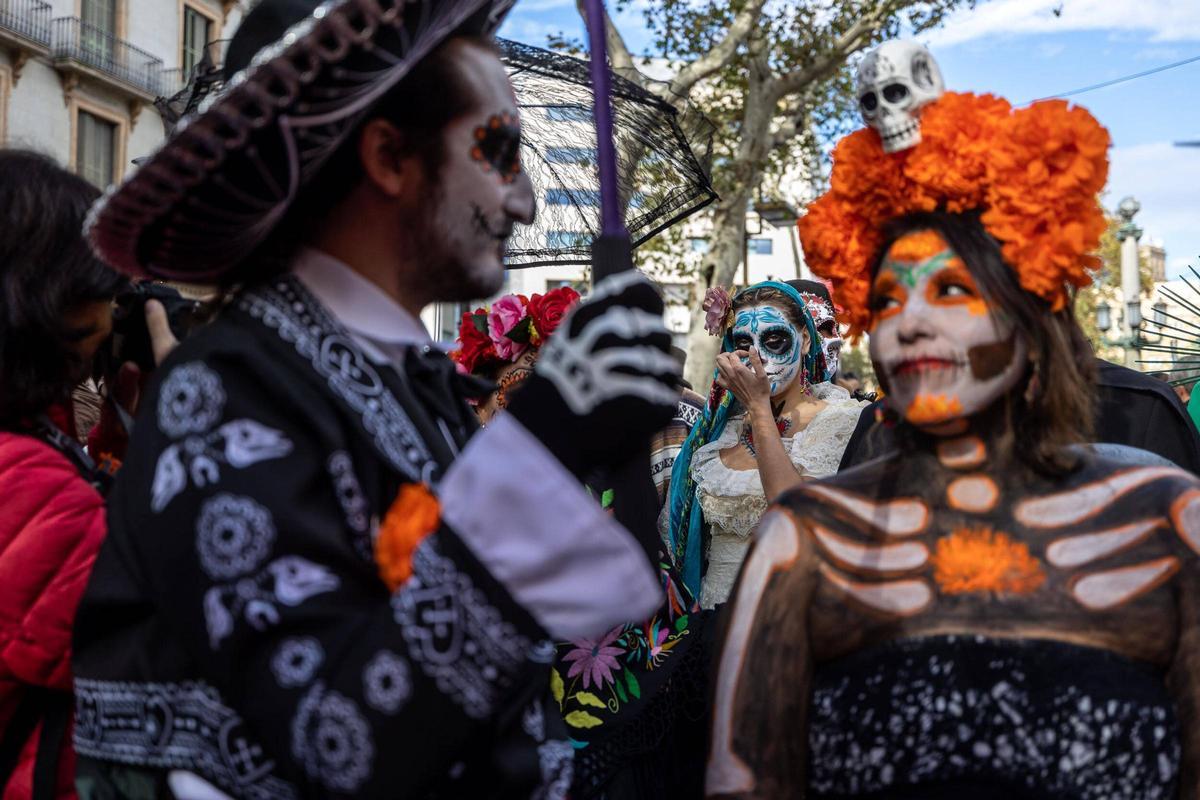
x=777, y=214
x=1128, y=234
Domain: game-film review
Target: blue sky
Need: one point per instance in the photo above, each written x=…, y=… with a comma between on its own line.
x=1021, y=50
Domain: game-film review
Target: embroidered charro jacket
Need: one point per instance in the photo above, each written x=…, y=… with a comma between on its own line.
x=236, y=627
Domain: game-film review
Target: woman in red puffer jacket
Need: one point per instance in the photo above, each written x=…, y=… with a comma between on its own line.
x=55, y=313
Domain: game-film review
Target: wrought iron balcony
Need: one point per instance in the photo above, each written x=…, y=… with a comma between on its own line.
x=80, y=45
x=171, y=81
x=26, y=22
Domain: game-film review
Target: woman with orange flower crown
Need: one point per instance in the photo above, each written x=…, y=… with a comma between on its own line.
x=993, y=611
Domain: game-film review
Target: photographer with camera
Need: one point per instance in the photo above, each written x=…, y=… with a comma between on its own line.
x=56, y=320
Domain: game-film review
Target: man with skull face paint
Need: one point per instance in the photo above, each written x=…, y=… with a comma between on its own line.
x=321, y=578
x=772, y=420
x=992, y=611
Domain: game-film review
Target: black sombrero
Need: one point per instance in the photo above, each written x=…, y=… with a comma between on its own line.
x=300, y=75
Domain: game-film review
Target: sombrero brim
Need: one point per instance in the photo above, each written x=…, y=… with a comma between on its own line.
x=218, y=186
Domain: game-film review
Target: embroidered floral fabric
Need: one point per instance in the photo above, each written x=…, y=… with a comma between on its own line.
x=605, y=684
x=733, y=500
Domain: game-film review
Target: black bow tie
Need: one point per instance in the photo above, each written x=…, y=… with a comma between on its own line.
x=428, y=364
x=443, y=390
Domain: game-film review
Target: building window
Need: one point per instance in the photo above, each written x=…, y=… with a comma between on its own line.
x=584, y=156
x=95, y=149
x=98, y=31
x=569, y=113
x=100, y=14
x=762, y=247
x=446, y=319
x=573, y=197
x=566, y=239
x=580, y=286
x=197, y=33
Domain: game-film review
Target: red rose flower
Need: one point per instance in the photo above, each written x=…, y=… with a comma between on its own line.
x=549, y=309
x=474, y=346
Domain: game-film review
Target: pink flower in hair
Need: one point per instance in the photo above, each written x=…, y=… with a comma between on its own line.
x=506, y=314
x=716, y=310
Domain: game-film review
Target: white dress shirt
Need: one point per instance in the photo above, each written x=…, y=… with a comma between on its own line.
x=567, y=562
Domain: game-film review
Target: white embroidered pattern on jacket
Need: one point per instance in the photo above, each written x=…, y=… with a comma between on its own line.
x=234, y=535
x=455, y=635
x=331, y=740
x=174, y=726
x=286, y=581
x=296, y=661
x=533, y=721
x=190, y=400
x=557, y=761
x=353, y=501
x=240, y=444
x=299, y=319
x=387, y=682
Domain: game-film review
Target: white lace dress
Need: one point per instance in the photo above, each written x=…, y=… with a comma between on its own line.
x=733, y=501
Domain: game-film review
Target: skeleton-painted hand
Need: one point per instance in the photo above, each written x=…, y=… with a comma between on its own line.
x=605, y=382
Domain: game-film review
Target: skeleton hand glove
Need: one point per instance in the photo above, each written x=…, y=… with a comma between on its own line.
x=605, y=382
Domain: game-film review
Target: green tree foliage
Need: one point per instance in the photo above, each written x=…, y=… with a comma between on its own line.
x=773, y=77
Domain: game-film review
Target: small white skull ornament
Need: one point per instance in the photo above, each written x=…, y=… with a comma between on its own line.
x=895, y=81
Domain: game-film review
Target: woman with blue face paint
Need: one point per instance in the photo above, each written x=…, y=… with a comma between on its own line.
x=772, y=420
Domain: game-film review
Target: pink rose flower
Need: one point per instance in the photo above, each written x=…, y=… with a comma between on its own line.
x=504, y=316
x=716, y=310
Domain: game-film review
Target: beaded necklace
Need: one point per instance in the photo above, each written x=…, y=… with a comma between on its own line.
x=746, y=439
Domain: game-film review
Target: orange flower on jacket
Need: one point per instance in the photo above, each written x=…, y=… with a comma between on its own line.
x=414, y=514
x=982, y=560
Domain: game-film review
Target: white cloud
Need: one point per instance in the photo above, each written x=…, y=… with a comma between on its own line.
x=1159, y=55
x=1165, y=20
x=1163, y=179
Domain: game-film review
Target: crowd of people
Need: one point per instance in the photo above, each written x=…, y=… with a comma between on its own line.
x=303, y=552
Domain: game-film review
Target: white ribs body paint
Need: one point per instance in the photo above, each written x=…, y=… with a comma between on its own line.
x=1101, y=591
x=1185, y=514
x=882, y=559
x=897, y=598
x=1076, y=505
x=902, y=517
x=1075, y=551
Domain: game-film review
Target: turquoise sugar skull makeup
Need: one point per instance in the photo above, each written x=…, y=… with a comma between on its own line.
x=780, y=344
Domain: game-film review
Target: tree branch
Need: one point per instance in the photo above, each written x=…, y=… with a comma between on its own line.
x=848, y=43
x=745, y=23
x=619, y=58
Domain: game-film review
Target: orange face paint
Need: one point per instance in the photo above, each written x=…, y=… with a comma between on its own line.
x=954, y=286
x=927, y=409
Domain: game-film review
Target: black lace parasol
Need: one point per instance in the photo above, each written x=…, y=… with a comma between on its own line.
x=662, y=156
x=662, y=159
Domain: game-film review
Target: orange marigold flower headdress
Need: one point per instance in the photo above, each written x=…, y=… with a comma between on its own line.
x=1034, y=174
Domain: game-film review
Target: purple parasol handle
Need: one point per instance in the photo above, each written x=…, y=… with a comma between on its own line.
x=611, y=223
